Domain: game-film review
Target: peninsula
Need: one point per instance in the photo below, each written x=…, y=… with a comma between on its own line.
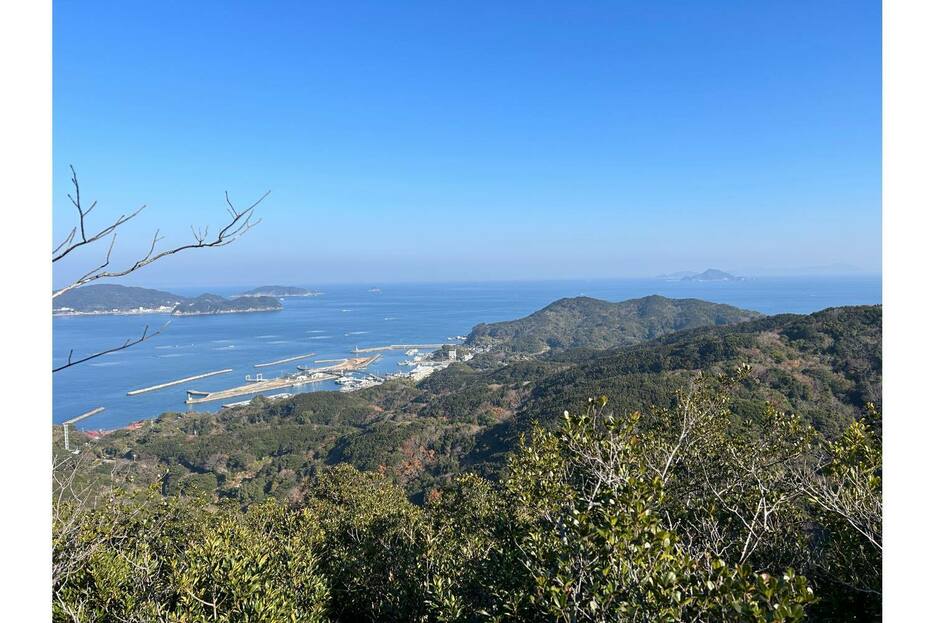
x=110, y=299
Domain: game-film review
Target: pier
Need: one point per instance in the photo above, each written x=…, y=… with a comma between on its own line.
x=136, y=392
x=312, y=375
x=374, y=349
x=83, y=416
x=286, y=360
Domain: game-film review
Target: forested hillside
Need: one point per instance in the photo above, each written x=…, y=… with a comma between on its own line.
x=584, y=322
x=681, y=516
x=824, y=367
x=108, y=297
x=755, y=441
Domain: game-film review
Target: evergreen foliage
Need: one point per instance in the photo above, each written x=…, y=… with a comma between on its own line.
x=689, y=514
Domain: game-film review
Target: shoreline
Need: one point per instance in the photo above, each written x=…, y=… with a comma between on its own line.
x=140, y=311
x=166, y=311
x=279, y=296
x=228, y=311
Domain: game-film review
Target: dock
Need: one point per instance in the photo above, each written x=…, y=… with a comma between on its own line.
x=136, y=392
x=341, y=365
x=313, y=375
x=374, y=349
x=286, y=360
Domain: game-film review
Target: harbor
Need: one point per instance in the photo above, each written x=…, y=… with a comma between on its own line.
x=390, y=324
x=374, y=349
x=257, y=384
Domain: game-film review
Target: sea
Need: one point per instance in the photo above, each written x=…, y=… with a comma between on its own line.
x=348, y=316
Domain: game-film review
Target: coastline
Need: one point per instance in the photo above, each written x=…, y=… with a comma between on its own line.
x=227, y=311
x=140, y=311
x=279, y=296
x=159, y=310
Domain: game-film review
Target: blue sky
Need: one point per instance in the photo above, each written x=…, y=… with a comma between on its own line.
x=471, y=141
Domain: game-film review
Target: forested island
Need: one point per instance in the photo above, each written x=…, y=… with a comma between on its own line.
x=621, y=473
x=280, y=291
x=112, y=299
x=213, y=304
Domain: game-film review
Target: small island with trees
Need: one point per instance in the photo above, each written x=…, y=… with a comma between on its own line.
x=280, y=292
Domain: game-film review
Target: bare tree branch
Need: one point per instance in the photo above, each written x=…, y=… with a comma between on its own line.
x=130, y=342
x=241, y=221
x=69, y=244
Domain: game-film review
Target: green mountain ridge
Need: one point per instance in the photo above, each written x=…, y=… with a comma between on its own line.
x=592, y=323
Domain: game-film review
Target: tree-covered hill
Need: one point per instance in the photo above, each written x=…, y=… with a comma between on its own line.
x=213, y=304
x=109, y=297
x=584, y=322
x=825, y=367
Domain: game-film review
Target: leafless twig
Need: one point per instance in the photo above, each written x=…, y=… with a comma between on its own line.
x=240, y=222
x=130, y=342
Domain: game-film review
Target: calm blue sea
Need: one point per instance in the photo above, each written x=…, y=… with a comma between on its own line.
x=330, y=325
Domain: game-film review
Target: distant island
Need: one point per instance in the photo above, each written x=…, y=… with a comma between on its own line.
x=111, y=299
x=279, y=291
x=214, y=304
x=677, y=276
x=712, y=274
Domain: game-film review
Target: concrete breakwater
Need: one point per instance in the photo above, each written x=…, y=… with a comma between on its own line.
x=153, y=388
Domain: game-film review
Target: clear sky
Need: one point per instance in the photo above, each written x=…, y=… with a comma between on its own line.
x=476, y=140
